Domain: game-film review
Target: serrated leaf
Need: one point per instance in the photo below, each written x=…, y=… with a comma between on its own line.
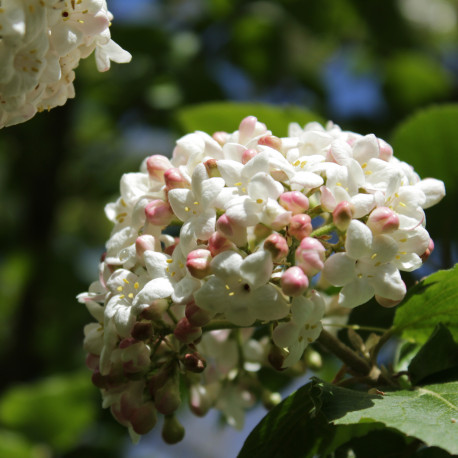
x=428, y=413
x=432, y=301
x=428, y=141
x=437, y=357
x=226, y=116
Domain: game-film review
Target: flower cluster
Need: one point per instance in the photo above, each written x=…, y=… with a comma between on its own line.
x=220, y=256
x=41, y=43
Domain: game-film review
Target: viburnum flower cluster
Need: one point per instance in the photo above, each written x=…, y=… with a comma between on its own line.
x=41, y=43
x=220, y=257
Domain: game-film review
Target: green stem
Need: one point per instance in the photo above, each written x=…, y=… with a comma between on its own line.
x=357, y=327
x=323, y=230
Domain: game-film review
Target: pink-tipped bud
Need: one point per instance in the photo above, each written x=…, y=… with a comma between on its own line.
x=157, y=165
x=144, y=418
x=386, y=151
x=276, y=357
x=231, y=230
x=92, y=361
x=185, y=332
x=193, y=362
x=144, y=243
x=310, y=256
x=220, y=137
x=248, y=154
x=294, y=201
x=300, y=226
x=247, y=129
x=195, y=315
x=383, y=220
x=342, y=215
x=199, y=400
x=384, y=302
x=217, y=243
x=277, y=246
x=159, y=212
x=428, y=251
x=174, y=179
x=212, y=168
x=198, y=263
x=294, y=282
x=171, y=248
x=172, y=430
x=270, y=140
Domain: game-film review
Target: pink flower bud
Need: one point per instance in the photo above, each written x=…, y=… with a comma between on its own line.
x=212, y=168
x=174, y=179
x=171, y=248
x=384, y=302
x=159, y=212
x=383, y=220
x=247, y=128
x=277, y=246
x=294, y=281
x=193, y=362
x=231, y=230
x=271, y=141
x=217, y=243
x=220, y=137
x=342, y=215
x=428, y=251
x=294, y=201
x=144, y=243
x=157, y=165
x=247, y=155
x=277, y=357
x=195, y=315
x=198, y=263
x=185, y=332
x=386, y=151
x=144, y=418
x=199, y=400
x=92, y=361
x=300, y=226
x=172, y=430
x=310, y=256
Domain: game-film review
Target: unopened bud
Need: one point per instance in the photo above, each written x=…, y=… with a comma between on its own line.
x=220, y=137
x=386, y=151
x=199, y=400
x=217, y=243
x=383, y=220
x=428, y=251
x=269, y=399
x=294, y=201
x=185, y=332
x=157, y=165
x=155, y=310
x=247, y=129
x=248, y=154
x=142, y=330
x=158, y=379
x=281, y=220
x=294, y=282
x=174, y=179
x=276, y=357
x=212, y=168
x=231, y=230
x=310, y=256
x=261, y=231
x=193, y=362
x=195, y=315
x=342, y=215
x=277, y=246
x=92, y=361
x=159, y=212
x=270, y=140
x=144, y=243
x=135, y=358
x=313, y=359
x=198, y=263
x=171, y=248
x=388, y=303
x=167, y=398
x=300, y=226
x=172, y=430
x=144, y=418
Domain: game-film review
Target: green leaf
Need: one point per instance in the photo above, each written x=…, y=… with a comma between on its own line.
x=56, y=410
x=13, y=445
x=432, y=301
x=428, y=413
x=437, y=357
x=428, y=141
x=226, y=116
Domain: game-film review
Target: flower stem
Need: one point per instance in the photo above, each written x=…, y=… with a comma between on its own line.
x=323, y=230
x=356, y=327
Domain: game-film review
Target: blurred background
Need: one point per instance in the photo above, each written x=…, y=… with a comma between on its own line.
x=368, y=66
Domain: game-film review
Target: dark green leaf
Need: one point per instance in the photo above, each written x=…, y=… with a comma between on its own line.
x=432, y=301
x=438, y=354
x=225, y=116
x=428, y=141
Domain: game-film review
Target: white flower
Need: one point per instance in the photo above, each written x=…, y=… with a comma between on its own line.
x=240, y=290
x=303, y=328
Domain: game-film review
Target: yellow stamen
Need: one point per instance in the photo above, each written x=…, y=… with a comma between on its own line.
x=231, y=293
x=130, y=296
x=259, y=201
x=136, y=285
x=239, y=183
x=119, y=288
x=126, y=281
x=296, y=163
x=374, y=256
